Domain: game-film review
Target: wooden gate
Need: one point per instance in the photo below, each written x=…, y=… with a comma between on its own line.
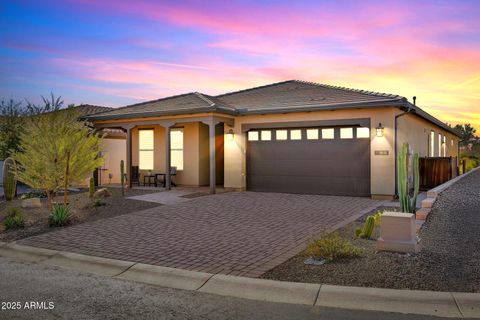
x=436, y=170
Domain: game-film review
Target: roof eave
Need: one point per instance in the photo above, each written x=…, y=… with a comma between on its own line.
x=425, y=115
x=101, y=117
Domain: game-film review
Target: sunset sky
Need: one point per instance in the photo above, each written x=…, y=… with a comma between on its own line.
x=115, y=53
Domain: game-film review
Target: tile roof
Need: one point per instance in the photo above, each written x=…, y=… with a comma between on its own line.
x=281, y=97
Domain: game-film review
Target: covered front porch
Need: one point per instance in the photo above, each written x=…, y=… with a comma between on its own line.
x=183, y=151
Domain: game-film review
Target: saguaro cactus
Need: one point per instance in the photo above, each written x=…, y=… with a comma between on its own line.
x=91, y=187
x=407, y=197
x=122, y=176
x=9, y=178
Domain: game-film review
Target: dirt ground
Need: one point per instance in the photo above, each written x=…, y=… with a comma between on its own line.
x=82, y=209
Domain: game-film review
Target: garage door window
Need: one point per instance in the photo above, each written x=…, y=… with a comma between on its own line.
x=252, y=135
x=312, y=134
x=328, y=133
x=346, y=133
x=266, y=135
x=363, y=132
x=281, y=134
x=295, y=134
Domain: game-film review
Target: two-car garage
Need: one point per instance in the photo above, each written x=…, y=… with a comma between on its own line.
x=329, y=160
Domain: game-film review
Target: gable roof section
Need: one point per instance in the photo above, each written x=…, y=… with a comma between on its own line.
x=281, y=97
x=194, y=102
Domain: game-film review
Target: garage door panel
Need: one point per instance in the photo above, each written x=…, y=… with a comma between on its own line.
x=333, y=167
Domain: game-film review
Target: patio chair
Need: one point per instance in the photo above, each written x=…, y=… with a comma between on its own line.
x=173, y=172
x=135, y=176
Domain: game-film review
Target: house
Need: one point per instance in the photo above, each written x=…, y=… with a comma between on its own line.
x=292, y=136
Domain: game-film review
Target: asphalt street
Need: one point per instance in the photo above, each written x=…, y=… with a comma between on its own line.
x=44, y=292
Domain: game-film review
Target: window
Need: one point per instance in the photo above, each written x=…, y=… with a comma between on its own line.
x=444, y=146
x=328, y=133
x=176, y=148
x=363, y=132
x=281, y=134
x=439, y=145
x=266, y=135
x=252, y=135
x=432, y=144
x=295, y=134
x=312, y=134
x=346, y=133
x=145, y=146
x=451, y=142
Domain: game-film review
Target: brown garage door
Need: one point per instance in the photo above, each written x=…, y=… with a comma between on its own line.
x=330, y=161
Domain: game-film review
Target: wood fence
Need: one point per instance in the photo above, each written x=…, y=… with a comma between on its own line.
x=437, y=170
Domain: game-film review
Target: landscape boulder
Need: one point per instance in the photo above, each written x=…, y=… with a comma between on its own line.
x=102, y=193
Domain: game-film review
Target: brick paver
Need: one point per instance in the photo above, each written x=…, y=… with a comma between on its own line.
x=243, y=233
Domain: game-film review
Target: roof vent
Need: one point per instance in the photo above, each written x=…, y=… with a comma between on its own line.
x=414, y=100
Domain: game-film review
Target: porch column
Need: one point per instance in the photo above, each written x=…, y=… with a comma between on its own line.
x=129, y=156
x=213, y=181
x=168, y=181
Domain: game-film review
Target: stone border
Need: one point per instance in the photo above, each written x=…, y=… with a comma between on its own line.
x=432, y=194
x=442, y=304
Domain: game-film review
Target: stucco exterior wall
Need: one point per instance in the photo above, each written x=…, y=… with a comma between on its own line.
x=114, y=150
x=382, y=166
x=416, y=132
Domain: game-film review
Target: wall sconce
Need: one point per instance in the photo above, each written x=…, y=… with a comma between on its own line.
x=230, y=135
x=379, y=130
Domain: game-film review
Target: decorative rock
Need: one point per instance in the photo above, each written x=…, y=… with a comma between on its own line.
x=102, y=193
x=315, y=262
x=31, y=203
x=398, y=233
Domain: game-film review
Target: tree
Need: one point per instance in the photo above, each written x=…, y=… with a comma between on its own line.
x=57, y=151
x=467, y=132
x=11, y=124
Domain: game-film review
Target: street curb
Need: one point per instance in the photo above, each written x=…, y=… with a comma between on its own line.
x=445, y=304
x=166, y=277
x=26, y=253
x=91, y=264
x=439, y=304
x=262, y=289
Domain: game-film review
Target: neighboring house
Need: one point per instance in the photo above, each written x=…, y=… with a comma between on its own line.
x=292, y=136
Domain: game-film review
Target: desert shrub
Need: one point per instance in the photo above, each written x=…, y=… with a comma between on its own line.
x=332, y=247
x=60, y=216
x=98, y=203
x=15, y=219
x=33, y=194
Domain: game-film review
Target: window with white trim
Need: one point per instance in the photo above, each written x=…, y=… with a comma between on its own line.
x=146, y=149
x=432, y=144
x=444, y=146
x=281, y=134
x=328, y=133
x=439, y=145
x=176, y=148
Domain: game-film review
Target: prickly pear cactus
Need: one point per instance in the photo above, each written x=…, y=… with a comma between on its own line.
x=9, y=178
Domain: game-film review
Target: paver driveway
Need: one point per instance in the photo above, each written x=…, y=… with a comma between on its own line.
x=242, y=233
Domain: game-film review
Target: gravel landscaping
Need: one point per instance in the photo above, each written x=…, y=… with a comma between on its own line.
x=81, y=207
x=449, y=260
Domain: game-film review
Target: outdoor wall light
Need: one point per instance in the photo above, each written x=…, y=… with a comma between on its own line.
x=230, y=135
x=379, y=130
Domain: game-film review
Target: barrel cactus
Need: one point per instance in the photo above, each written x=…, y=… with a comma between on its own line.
x=9, y=178
x=407, y=197
x=122, y=176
